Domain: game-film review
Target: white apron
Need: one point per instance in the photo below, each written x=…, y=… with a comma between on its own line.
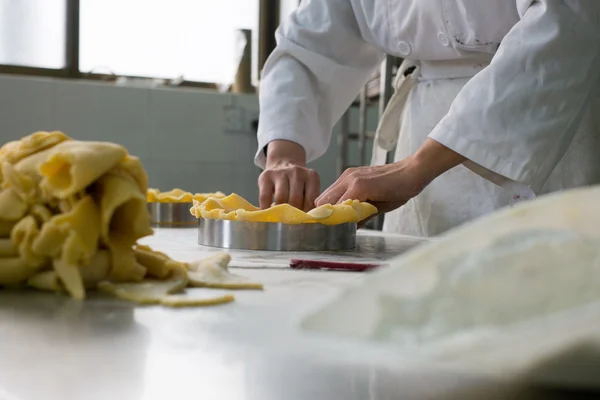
x=420, y=101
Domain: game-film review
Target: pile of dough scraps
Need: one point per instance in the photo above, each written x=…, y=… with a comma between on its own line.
x=236, y=208
x=178, y=196
x=209, y=273
x=71, y=213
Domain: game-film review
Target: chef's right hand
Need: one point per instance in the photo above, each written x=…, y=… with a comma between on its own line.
x=286, y=178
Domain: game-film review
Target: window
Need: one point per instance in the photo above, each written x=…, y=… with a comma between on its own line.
x=33, y=33
x=195, y=39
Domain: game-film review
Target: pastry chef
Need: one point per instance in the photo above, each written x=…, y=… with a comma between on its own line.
x=491, y=105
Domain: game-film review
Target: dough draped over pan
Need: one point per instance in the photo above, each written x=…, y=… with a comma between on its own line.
x=178, y=196
x=236, y=208
x=71, y=213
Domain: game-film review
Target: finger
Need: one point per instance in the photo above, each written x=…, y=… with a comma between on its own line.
x=320, y=199
x=266, y=189
x=349, y=194
x=311, y=191
x=332, y=194
x=282, y=190
x=296, y=196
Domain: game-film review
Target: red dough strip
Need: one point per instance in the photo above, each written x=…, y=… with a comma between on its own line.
x=331, y=265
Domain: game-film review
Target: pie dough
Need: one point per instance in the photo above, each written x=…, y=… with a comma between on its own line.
x=213, y=273
x=178, y=196
x=71, y=213
x=150, y=291
x=236, y=208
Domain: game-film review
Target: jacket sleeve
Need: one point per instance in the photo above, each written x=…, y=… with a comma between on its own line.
x=313, y=75
x=518, y=116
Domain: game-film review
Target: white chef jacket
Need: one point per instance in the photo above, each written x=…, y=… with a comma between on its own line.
x=516, y=117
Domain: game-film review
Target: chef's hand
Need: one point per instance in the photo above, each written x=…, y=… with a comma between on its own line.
x=390, y=186
x=286, y=178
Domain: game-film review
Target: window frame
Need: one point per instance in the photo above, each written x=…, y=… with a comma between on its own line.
x=267, y=24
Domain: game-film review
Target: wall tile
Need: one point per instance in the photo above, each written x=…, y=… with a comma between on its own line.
x=178, y=133
x=26, y=106
x=187, y=126
x=91, y=111
x=193, y=176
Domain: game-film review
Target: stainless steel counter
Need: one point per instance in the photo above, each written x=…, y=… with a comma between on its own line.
x=57, y=348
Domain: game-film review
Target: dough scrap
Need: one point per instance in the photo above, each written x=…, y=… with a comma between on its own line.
x=47, y=280
x=12, y=206
x=196, y=301
x=236, y=208
x=149, y=291
x=8, y=249
x=178, y=196
x=71, y=213
x=6, y=227
x=157, y=263
x=71, y=166
x=15, y=151
x=212, y=272
x=164, y=292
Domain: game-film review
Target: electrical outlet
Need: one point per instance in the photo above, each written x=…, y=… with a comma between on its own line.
x=234, y=119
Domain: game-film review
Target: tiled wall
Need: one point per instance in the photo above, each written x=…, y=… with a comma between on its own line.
x=178, y=133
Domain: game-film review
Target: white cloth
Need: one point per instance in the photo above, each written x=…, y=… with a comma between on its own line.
x=516, y=117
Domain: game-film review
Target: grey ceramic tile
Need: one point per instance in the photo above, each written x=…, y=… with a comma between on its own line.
x=26, y=106
x=197, y=120
x=245, y=184
x=188, y=125
x=177, y=133
x=198, y=176
x=91, y=111
x=193, y=176
x=244, y=149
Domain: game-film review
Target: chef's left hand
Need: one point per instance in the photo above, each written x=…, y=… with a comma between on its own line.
x=387, y=187
x=390, y=186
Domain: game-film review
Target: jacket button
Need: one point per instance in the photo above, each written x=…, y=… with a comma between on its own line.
x=443, y=39
x=404, y=49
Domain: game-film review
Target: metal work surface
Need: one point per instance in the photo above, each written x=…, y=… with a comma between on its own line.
x=54, y=347
x=243, y=235
x=174, y=215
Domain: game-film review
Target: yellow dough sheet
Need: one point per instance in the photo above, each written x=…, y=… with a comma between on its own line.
x=178, y=196
x=71, y=213
x=236, y=208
